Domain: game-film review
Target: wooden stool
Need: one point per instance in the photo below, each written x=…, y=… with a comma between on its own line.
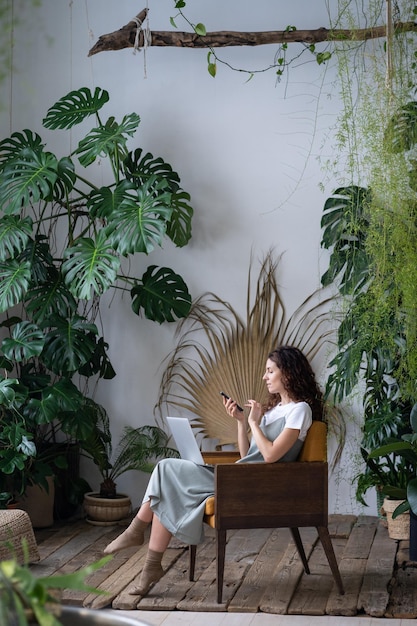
x=15, y=526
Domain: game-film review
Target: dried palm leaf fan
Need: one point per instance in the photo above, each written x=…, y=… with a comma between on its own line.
x=217, y=350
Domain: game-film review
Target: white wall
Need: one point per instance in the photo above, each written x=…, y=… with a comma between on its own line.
x=248, y=152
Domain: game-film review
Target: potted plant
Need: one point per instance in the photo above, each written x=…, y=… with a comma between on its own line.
x=404, y=491
x=63, y=242
x=138, y=449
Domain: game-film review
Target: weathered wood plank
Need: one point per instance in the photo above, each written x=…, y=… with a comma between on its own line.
x=403, y=553
x=249, y=595
x=92, y=555
x=374, y=594
x=166, y=594
x=341, y=525
x=126, y=601
x=312, y=593
x=361, y=538
x=56, y=538
x=280, y=590
x=352, y=567
x=242, y=549
x=202, y=596
x=403, y=598
x=245, y=545
x=60, y=556
x=352, y=573
x=117, y=581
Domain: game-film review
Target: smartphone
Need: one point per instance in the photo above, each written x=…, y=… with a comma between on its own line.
x=239, y=408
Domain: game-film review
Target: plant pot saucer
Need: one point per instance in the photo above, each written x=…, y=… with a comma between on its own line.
x=94, y=522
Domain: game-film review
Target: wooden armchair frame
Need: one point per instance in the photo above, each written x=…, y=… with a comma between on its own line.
x=270, y=495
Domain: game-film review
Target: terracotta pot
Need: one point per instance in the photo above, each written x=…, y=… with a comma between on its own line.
x=39, y=504
x=101, y=511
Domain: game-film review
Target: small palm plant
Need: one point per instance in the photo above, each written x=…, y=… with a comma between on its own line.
x=138, y=449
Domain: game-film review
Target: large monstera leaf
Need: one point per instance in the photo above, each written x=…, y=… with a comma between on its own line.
x=38, y=254
x=163, y=295
x=26, y=181
x=107, y=140
x=139, y=168
x=345, y=221
x=179, y=227
x=102, y=202
x=75, y=107
x=65, y=180
x=27, y=340
x=401, y=132
x=14, y=282
x=69, y=344
x=50, y=297
x=90, y=267
x=14, y=235
x=139, y=223
x=63, y=396
x=18, y=146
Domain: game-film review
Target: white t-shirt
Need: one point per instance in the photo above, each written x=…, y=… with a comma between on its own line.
x=297, y=415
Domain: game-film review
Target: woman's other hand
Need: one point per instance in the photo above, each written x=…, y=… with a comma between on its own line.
x=256, y=412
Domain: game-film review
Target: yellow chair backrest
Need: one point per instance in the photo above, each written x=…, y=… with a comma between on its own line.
x=315, y=444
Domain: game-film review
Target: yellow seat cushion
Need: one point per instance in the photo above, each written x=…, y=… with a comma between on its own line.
x=315, y=444
x=210, y=503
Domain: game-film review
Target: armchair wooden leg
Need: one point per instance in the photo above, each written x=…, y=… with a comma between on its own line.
x=299, y=544
x=221, y=550
x=193, y=552
x=328, y=549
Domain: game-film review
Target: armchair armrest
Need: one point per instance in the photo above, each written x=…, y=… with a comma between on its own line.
x=271, y=495
x=213, y=458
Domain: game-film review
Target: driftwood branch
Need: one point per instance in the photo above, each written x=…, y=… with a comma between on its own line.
x=126, y=36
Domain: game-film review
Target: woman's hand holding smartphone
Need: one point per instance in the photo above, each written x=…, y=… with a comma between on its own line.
x=239, y=408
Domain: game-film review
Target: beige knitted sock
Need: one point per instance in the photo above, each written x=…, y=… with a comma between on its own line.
x=134, y=535
x=151, y=573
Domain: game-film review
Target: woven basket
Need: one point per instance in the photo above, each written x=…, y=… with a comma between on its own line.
x=15, y=526
x=106, y=510
x=398, y=528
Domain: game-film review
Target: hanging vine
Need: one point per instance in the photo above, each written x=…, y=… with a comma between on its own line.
x=371, y=220
x=133, y=35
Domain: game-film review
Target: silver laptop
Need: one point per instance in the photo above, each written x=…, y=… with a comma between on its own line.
x=185, y=440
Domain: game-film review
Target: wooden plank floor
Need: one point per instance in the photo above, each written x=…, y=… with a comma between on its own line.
x=263, y=571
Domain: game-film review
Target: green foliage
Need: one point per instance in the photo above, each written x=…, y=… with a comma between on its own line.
x=26, y=599
x=63, y=240
x=370, y=228
x=138, y=450
x=404, y=448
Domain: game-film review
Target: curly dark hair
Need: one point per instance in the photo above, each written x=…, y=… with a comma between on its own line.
x=298, y=379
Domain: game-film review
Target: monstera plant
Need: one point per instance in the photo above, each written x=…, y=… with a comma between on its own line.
x=64, y=241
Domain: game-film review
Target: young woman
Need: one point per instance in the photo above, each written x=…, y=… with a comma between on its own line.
x=174, y=501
